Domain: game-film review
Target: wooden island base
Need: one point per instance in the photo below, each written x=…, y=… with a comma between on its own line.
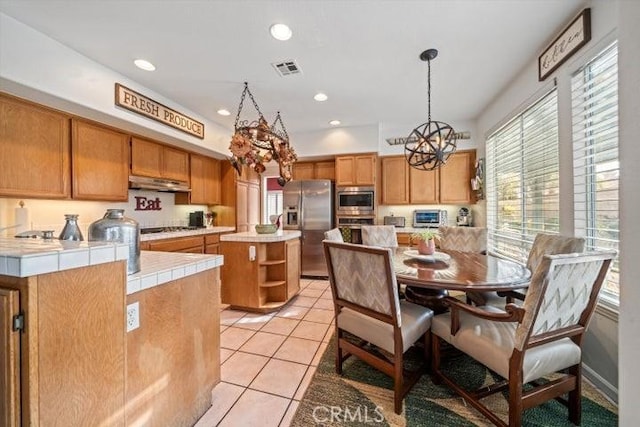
x=261, y=272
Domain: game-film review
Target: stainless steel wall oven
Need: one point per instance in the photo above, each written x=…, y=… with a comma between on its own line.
x=355, y=201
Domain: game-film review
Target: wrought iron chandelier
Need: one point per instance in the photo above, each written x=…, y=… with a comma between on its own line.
x=430, y=144
x=255, y=143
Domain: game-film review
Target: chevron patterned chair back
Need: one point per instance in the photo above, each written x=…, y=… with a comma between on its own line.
x=334, y=234
x=463, y=239
x=552, y=244
x=383, y=236
x=367, y=307
x=542, y=338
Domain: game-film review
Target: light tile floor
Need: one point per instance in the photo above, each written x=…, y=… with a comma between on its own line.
x=268, y=360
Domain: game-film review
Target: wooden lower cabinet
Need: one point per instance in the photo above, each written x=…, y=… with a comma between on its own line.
x=9, y=359
x=212, y=244
x=267, y=282
x=72, y=350
x=194, y=244
x=202, y=244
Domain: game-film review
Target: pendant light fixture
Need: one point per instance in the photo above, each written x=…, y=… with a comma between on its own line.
x=255, y=143
x=430, y=144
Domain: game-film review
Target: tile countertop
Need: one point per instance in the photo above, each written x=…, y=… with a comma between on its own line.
x=184, y=233
x=252, y=236
x=162, y=267
x=30, y=257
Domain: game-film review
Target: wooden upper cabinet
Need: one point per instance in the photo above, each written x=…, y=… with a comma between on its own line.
x=455, y=178
x=315, y=170
x=100, y=162
x=205, y=182
x=449, y=184
x=395, y=181
x=303, y=170
x=146, y=158
x=356, y=170
x=158, y=161
x=424, y=186
x=175, y=164
x=325, y=170
x=34, y=151
x=212, y=178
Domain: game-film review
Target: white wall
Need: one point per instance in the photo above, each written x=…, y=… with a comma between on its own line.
x=34, y=66
x=629, y=83
x=340, y=140
x=606, y=356
x=49, y=214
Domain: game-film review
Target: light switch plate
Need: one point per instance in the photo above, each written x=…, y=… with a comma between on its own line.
x=252, y=253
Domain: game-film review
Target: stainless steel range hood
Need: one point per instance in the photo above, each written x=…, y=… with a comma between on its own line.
x=157, y=184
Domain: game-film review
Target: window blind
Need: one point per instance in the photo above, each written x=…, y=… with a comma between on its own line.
x=596, y=173
x=522, y=179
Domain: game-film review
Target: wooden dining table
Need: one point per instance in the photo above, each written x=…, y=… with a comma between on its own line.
x=457, y=271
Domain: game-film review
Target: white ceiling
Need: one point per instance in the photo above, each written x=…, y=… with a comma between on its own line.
x=362, y=54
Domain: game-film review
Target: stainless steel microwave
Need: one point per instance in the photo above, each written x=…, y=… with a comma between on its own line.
x=355, y=200
x=423, y=218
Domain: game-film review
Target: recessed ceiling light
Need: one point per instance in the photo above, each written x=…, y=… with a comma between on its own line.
x=144, y=64
x=320, y=97
x=280, y=32
x=335, y=122
x=224, y=112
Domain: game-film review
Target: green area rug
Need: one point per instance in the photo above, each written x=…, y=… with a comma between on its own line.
x=364, y=396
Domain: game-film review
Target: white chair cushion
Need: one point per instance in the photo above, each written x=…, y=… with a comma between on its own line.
x=416, y=320
x=492, y=343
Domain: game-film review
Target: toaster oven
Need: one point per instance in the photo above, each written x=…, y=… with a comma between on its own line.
x=423, y=218
x=396, y=221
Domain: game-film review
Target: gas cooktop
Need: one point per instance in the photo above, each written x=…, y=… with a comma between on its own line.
x=151, y=230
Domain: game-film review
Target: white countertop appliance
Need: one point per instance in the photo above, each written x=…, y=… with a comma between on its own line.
x=425, y=218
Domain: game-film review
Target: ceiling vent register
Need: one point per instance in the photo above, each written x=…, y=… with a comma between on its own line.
x=287, y=68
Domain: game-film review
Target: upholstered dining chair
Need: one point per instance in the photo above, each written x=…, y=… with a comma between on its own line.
x=367, y=307
x=527, y=344
x=334, y=235
x=463, y=239
x=543, y=244
x=379, y=235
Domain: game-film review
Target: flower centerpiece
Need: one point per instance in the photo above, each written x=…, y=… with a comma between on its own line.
x=426, y=240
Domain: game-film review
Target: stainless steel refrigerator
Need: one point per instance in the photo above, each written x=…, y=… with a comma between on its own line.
x=308, y=207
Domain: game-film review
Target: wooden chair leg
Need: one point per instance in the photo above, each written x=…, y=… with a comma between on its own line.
x=338, y=352
x=427, y=348
x=435, y=359
x=515, y=400
x=575, y=396
x=398, y=382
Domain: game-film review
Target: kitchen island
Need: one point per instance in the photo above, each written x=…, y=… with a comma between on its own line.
x=261, y=271
x=85, y=344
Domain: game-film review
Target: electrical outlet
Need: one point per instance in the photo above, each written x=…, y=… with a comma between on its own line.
x=133, y=316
